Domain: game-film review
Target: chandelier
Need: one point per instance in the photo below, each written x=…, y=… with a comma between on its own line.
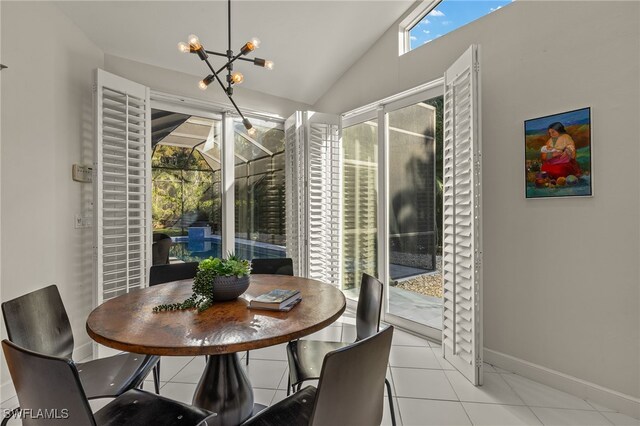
x=194, y=45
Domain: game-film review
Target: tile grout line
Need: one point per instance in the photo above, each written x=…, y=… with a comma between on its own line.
x=521, y=398
x=178, y=372
x=547, y=406
x=424, y=368
x=395, y=400
x=458, y=396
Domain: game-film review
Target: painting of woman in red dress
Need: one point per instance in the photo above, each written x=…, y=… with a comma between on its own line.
x=558, y=155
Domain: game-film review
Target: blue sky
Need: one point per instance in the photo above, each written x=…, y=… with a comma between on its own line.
x=450, y=15
x=580, y=116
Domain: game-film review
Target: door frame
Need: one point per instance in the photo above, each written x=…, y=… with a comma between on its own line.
x=430, y=90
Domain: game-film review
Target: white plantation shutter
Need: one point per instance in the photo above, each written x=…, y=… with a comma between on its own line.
x=314, y=185
x=295, y=191
x=462, y=245
x=122, y=186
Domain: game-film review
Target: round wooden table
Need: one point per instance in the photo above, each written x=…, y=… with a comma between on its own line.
x=128, y=323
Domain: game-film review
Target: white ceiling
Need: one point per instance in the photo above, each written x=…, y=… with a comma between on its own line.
x=311, y=42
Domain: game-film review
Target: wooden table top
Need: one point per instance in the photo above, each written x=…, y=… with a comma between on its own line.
x=128, y=322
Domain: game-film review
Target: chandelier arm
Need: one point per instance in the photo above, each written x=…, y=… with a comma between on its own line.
x=211, y=52
x=223, y=88
x=227, y=65
x=239, y=57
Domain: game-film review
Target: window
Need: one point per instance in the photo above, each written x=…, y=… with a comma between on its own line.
x=187, y=169
x=433, y=19
x=260, y=190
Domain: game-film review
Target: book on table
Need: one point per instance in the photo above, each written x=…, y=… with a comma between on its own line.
x=276, y=300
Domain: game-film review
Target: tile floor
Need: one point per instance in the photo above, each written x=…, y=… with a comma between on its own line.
x=427, y=390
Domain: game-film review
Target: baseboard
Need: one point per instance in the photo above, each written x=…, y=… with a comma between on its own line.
x=83, y=351
x=7, y=391
x=610, y=398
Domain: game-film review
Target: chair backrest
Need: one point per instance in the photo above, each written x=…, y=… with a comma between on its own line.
x=369, y=307
x=157, y=236
x=281, y=266
x=160, y=251
x=351, y=386
x=38, y=321
x=47, y=386
x=174, y=272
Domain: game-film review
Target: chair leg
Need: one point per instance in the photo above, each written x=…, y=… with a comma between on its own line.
x=288, y=385
x=247, y=358
x=156, y=377
x=390, y=396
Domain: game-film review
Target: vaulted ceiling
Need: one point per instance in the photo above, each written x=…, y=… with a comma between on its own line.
x=311, y=42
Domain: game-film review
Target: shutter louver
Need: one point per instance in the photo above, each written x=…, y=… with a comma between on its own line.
x=462, y=250
x=121, y=186
x=314, y=187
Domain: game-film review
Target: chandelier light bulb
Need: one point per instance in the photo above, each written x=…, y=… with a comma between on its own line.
x=204, y=83
x=252, y=131
x=194, y=41
x=184, y=47
x=255, y=41
x=268, y=65
x=237, y=77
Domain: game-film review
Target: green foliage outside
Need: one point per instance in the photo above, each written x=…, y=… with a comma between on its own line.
x=181, y=196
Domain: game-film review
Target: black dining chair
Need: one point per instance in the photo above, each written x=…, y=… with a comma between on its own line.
x=279, y=266
x=160, y=249
x=305, y=356
x=51, y=386
x=160, y=274
x=349, y=392
x=38, y=322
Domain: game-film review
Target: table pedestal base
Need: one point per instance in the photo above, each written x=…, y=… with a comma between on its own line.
x=225, y=389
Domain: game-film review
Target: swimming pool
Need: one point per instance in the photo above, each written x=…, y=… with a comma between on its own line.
x=194, y=250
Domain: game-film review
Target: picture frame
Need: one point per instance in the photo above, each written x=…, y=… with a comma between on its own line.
x=558, y=155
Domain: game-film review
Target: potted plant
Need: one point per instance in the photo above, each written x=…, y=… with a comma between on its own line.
x=217, y=280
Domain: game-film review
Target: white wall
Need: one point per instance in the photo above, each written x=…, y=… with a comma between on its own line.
x=177, y=83
x=46, y=127
x=561, y=276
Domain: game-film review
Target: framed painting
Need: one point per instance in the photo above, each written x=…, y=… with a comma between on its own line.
x=558, y=155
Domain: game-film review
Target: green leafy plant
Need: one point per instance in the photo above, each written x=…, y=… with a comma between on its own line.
x=208, y=269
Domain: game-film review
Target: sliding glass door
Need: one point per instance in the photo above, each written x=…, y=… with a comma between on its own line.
x=392, y=205
x=409, y=207
x=360, y=202
x=414, y=283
